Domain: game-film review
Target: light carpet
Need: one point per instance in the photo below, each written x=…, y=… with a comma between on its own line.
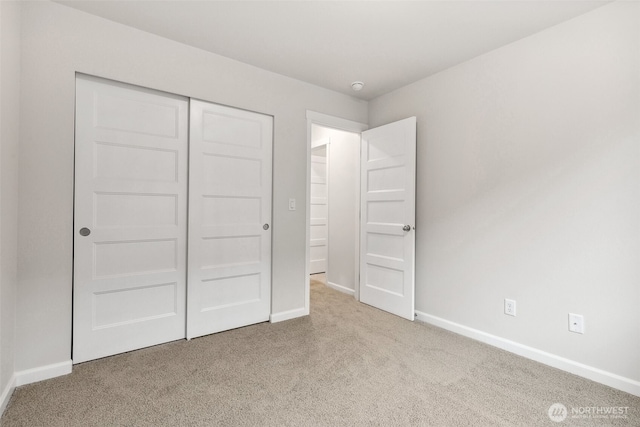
x=347, y=364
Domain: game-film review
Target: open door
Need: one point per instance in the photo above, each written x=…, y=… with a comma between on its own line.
x=387, y=236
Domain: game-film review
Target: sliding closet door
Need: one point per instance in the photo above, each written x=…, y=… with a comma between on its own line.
x=229, y=282
x=130, y=218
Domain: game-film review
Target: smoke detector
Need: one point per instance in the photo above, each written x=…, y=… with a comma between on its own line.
x=357, y=86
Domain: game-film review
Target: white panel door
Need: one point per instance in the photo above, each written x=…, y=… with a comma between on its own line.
x=387, y=236
x=229, y=283
x=318, y=211
x=130, y=218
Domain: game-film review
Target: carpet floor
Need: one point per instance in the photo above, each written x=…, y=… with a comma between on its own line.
x=347, y=364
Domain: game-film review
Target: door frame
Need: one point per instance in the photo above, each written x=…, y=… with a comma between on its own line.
x=325, y=120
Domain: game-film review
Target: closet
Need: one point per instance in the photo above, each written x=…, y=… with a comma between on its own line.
x=172, y=214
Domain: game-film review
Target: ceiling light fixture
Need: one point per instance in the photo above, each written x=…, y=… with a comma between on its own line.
x=357, y=86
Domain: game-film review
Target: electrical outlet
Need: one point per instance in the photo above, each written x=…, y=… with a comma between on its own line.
x=576, y=323
x=509, y=307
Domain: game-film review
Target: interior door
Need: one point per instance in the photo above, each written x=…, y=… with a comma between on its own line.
x=387, y=236
x=130, y=218
x=318, y=211
x=229, y=282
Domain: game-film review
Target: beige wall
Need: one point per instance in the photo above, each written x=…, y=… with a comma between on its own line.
x=528, y=188
x=9, y=131
x=58, y=41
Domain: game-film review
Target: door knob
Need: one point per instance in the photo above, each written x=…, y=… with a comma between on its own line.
x=265, y=227
x=407, y=228
x=84, y=231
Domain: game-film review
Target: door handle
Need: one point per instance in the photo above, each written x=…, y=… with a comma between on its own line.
x=84, y=231
x=406, y=228
x=265, y=227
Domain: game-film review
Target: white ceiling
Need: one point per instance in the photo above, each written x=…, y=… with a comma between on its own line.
x=385, y=44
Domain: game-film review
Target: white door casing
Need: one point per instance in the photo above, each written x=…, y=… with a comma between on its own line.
x=319, y=210
x=387, y=254
x=131, y=193
x=229, y=282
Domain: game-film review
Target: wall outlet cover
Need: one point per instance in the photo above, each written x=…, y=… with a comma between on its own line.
x=509, y=307
x=576, y=323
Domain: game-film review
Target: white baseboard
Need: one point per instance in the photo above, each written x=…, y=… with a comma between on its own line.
x=598, y=375
x=291, y=314
x=42, y=373
x=341, y=288
x=6, y=394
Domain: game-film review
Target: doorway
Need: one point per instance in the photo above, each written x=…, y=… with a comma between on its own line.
x=371, y=210
x=334, y=207
x=333, y=157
